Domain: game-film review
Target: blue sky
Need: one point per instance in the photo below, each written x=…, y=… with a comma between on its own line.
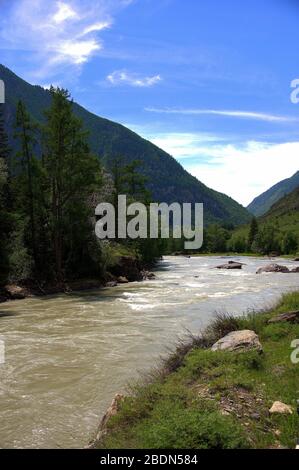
x=208, y=81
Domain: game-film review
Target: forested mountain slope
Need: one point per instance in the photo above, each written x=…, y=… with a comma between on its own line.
x=261, y=204
x=167, y=179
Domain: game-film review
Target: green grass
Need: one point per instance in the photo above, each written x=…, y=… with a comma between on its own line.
x=203, y=399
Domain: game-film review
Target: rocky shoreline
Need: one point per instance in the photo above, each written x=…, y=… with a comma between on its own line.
x=231, y=388
x=127, y=270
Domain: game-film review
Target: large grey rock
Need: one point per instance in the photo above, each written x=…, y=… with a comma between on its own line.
x=273, y=268
x=238, y=341
x=122, y=280
x=230, y=265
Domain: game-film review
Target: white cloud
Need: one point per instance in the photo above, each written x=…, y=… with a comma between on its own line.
x=76, y=52
x=121, y=77
x=243, y=172
x=56, y=33
x=240, y=170
x=64, y=12
x=96, y=27
x=237, y=114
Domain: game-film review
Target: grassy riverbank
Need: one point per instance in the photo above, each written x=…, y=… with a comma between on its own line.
x=204, y=399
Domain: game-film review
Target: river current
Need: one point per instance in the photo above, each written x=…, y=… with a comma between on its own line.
x=67, y=355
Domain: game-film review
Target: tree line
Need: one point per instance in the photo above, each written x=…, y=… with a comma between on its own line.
x=256, y=238
x=49, y=189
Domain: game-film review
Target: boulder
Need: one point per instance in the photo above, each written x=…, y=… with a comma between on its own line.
x=122, y=280
x=111, y=284
x=295, y=270
x=280, y=408
x=129, y=267
x=150, y=275
x=242, y=340
x=230, y=265
x=296, y=259
x=292, y=317
x=15, y=292
x=273, y=268
x=147, y=275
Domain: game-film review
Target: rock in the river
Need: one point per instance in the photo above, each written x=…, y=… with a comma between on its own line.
x=230, y=265
x=242, y=340
x=150, y=275
x=295, y=270
x=122, y=280
x=129, y=267
x=15, y=292
x=292, y=317
x=273, y=268
x=296, y=259
x=111, y=284
x=281, y=408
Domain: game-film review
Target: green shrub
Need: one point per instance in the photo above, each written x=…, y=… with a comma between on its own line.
x=191, y=429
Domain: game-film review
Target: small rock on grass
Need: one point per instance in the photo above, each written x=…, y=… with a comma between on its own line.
x=292, y=317
x=280, y=408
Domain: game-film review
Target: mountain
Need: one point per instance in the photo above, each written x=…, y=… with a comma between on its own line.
x=167, y=179
x=288, y=205
x=261, y=204
x=284, y=215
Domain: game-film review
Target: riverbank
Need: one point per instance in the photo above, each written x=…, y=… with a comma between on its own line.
x=127, y=269
x=200, y=398
x=248, y=254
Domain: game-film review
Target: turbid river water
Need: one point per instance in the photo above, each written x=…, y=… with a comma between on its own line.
x=67, y=355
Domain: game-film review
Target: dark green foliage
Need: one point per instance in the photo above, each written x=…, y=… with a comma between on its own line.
x=27, y=181
x=276, y=231
x=72, y=173
x=53, y=236
x=216, y=238
x=128, y=180
x=253, y=232
x=5, y=223
x=178, y=428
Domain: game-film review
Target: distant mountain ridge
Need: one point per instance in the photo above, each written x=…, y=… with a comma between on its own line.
x=263, y=203
x=287, y=205
x=168, y=181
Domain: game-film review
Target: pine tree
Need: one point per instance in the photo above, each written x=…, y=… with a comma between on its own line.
x=4, y=146
x=72, y=173
x=26, y=134
x=4, y=191
x=253, y=232
x=134, y=182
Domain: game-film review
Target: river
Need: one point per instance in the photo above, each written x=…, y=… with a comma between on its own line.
x=67, y=355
